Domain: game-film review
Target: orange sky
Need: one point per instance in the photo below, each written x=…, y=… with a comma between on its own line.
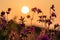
x=16, y=6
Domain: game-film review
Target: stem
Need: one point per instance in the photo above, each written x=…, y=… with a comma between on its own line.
x=42, y=19
x=50, y=18
x=50, y=13
x=45, y=23
x=7, y=18
x=32, y=18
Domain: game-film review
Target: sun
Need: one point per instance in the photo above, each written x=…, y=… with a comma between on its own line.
x=25, y=9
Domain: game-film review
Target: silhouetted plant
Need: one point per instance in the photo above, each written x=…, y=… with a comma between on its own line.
x=33, y=10
x=49, y=20
x=42, y=19
x=22, y=19
x=38, y=11
x=52, y=14
x=8, y=12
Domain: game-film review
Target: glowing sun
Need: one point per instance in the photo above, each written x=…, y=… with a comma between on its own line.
x=24, y=9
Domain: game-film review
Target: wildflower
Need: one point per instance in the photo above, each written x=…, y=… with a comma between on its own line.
x=44, y=16
x=28, y=16
x=39, y=11
x=34, y=9
x=52, y=7
x=53, y=14
x=56, y=25
x=7, y=12
x=9, y=9
x=2, y=13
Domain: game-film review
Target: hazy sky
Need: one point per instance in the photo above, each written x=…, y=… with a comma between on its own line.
x=16, y=6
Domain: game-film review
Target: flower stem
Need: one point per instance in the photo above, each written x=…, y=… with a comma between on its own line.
x=32, y=18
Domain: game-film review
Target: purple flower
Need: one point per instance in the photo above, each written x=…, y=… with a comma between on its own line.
x=32, y=29
x=44, y=37
x=25, y=31
x=21, y=25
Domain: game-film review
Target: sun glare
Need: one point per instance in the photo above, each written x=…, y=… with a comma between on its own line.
x=24, y=9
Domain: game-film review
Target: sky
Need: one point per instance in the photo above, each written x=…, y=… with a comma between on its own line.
x=16, y=6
